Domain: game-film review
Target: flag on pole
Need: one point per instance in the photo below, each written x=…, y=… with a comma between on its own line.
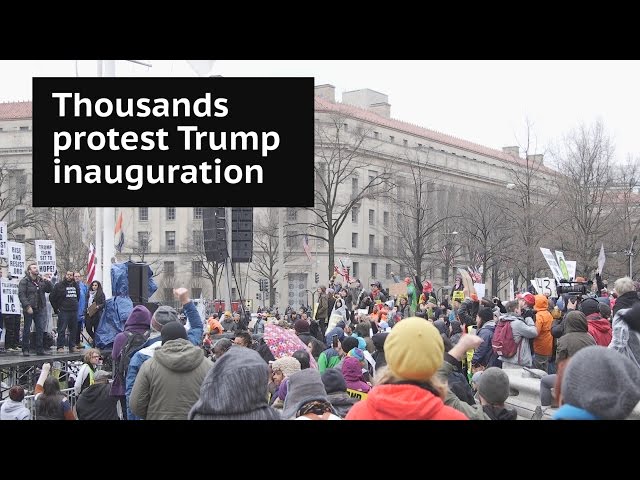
x=119, y=234
x=601, y=259
x=305, y=245
x=91, y=263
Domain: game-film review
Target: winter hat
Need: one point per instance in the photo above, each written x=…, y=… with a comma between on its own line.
x=494, y=386
x=603, y=382
x=301, y=326
x=304, y=386
x=476, y=377
x=379, y=339
x=589, y=306
x=528, y=298
x=485, y=314
x=348, y=343
x=605, y=310
x=287, y=365
x=333, y=381
x=235, y=389
x=173, y=331
x=414, y=350
x=357, y=354
x=163, y=315
x=140, y=316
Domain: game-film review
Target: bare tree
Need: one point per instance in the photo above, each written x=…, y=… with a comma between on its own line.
x=419, y=216
x=586, y=181
x=64, y=227
x=342, y=152
x=200, y=265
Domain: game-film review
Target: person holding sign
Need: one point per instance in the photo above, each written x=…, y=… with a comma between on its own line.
x=31, y=290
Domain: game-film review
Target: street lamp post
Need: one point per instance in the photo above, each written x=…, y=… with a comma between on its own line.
x=630, y=254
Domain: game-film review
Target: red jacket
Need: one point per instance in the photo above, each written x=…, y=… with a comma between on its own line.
x=402, y=402
x=599, y=329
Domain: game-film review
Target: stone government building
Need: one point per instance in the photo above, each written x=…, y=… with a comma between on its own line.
x=166, y=234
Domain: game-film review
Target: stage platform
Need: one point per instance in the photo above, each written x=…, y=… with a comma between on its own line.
x=18, y=360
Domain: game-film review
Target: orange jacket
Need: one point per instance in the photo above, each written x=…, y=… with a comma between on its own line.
x=543, y=343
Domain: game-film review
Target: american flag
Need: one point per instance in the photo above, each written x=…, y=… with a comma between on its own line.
x=342, y=273
x=305, y=245
x=119, y=233
x=91, y=263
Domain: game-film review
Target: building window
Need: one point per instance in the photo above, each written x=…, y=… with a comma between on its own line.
x=385, y=219
x=292, y=214
x=170, y=238
x=292, y=238
x=20, y=215
x=354, y=269
x=196, y=292
x=405, y=143
x=354, y=240
x=196, y=268
x=419, y=145
x=19, y=237
x=387, y=270
x=169, y=269
x=376, y=134
x=24, y=129
x=374, y=270
x=168, y=294
x=392, y=139
x=143, y=241
x=354, y=186
x=372, y=217
x=403, y=271
x=198, y=239
x=171, y=213
x=197, y=213
x=234, y=294
x=143, y=214
x=346, y=126
x=372, y=175
x=399, y=220
x=372, y=239
x=386, y=246
x=354, y=214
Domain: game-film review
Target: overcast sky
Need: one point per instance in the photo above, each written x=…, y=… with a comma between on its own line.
x=486, y=102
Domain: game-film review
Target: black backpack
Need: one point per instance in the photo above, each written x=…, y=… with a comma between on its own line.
x=134, y=342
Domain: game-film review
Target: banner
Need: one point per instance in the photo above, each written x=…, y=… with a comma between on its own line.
x=571, y=266
x=601, y=258
x=9, y=301
x=545, y=286
x=396, y=289
x=356, y=394
x=46, y=256
x=3, y=240
x=563, y=265
x=16, y=259
x=551, y=261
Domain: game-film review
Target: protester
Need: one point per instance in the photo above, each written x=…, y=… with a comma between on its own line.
x=336, y=388
x=307, y=398
x=13, y=408
x=96, y=401
x=85, y=377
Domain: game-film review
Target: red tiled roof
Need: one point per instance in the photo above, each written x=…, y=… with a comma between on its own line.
x=323, y=104
x=15, y=110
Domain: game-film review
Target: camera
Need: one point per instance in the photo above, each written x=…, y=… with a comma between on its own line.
x=573, y=288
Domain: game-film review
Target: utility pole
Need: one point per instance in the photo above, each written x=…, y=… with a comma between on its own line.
x=107, y=68
x=228, y=212
x=631, y=253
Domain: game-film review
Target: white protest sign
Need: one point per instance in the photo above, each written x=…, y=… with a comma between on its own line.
x=551, y=261
x=512, y=293
x=562, y=263
x=571, y=266
x=480, y=289
x=9, y=301
x=46, y=256
x=16, y=259
x=601, y=259
x=3, y=240
x=545, y=286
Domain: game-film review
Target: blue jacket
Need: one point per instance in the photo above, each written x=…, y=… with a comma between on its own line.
x=569, y=412
x=484, y=354
x=82, y=301
x=194, y=335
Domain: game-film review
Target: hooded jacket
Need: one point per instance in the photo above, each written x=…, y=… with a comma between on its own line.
x=625, y=338
x=575, y=336
x=235, y=389
x=96, y=403
x=12, y=410
x=522, y=331
x=404, y=401
x=168, y=385
x=138, y=322
x=484, y=354
x=543, y=343
x=32, y=294
x=599, y=329
x=499, y=413
x=626, y=300
x=352, y=372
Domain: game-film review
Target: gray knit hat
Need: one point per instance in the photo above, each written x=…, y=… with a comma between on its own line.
x=494, y=386
x=304, y=386
x=603, y=382
x=235, y=389
x=163, y=315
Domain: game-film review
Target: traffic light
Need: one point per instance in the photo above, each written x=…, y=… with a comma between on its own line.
x=266, y=285
x=317, y=277
x=263, y=284
x=257, y=296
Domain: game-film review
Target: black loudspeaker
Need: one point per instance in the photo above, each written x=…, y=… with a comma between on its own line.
x=242, y=235
x=151, y=306
x=214, y=235
x=138, y=282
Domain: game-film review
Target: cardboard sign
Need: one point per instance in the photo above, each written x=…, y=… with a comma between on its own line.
x=396, y=289
x=3, y=240
x=9, y=301
x=512, y=293
x=480, y=289
x=545, y=286
x=551, y=261
x=16, y=257
x=571, y=266
x=458, y=295
x=562, y=263
x=46, y=256
x=357, y=394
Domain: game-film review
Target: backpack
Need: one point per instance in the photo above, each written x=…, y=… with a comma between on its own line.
x=134, y=342
x=503, y=342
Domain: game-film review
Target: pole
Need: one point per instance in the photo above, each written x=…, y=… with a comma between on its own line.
x=227, y=226
x=631, y=253
x=98, y=274
x=108, y=70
